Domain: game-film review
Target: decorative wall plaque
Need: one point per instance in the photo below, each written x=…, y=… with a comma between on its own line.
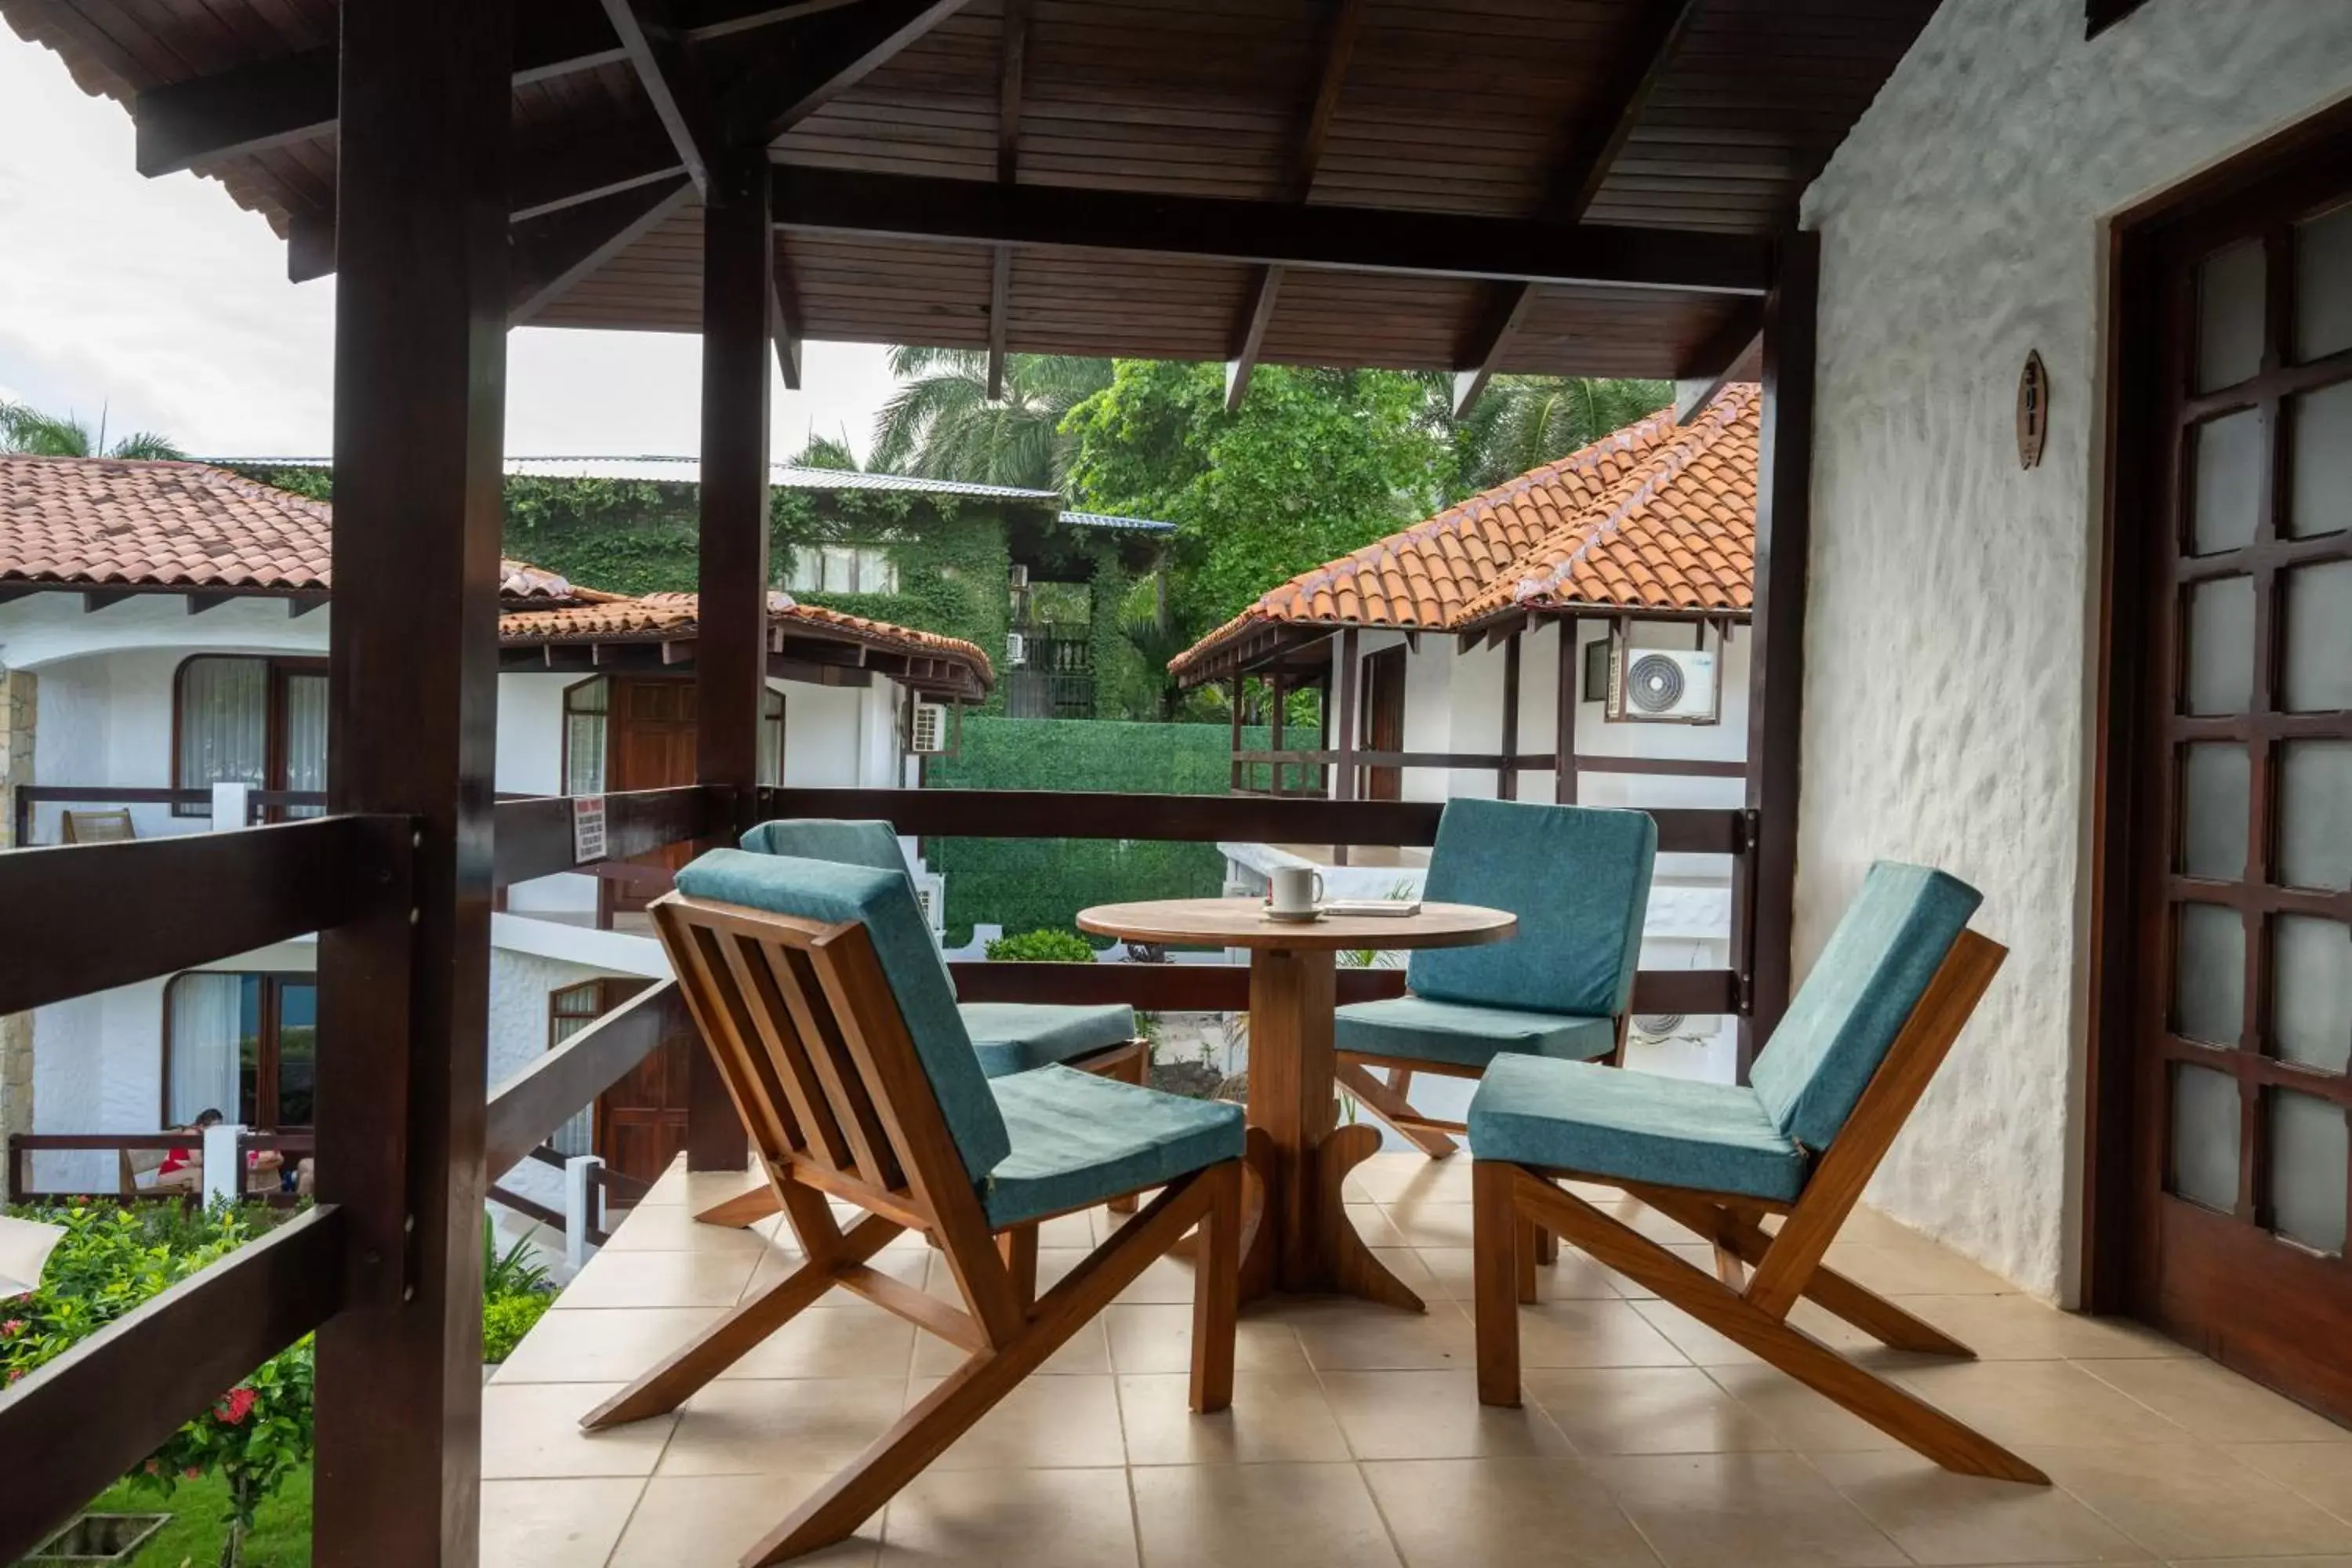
x=2032, y=411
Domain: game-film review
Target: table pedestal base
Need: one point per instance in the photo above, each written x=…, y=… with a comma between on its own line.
x=1306, y=1245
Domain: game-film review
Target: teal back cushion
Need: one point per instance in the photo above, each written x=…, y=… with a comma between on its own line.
x=1844, y=1020
x=884, y=900
x=853, y=842
x=1578, y=879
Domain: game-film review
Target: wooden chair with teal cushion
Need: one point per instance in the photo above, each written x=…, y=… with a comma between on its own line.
x=817, y=989
x=1891, y=991
x=1578, y=880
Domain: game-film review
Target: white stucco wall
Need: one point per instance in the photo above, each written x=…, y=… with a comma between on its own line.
x=1949, y=659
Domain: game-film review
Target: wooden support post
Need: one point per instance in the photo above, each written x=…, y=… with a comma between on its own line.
x=1564, y=701
x=420, y=390
x=732, y=640
x=1346, y=789
x=1235, y=782
x=1764, y=887
x=1273, y=681
x=1507, y=778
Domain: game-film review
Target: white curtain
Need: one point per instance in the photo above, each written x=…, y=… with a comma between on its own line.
x=207, y=1013
x=306, y=738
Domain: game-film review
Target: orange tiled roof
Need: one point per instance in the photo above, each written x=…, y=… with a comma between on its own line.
x=1655, y=516
x=113, y=523
x=669, y=617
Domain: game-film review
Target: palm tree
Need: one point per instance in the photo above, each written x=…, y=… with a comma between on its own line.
x=825, y=452
x=24, y=428
x=1524, y=421
x=942, y=424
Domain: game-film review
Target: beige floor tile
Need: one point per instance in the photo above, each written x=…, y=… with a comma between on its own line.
x=1743, y=1510
x=2020, y=1328
x=1808, y=1422
x=1432, y=1222
x=1045, y=1423
x=1867, y=1226
x=1938, y=1516
x=1698, y=1255
x=1087, y=1350
x=1356, y=1336
x=1068, y=1230
x=2216, y=1404
x=1575, y=1278
x=700, y=1279
x=1276, y=1417
x=1372, y=1223
x=1053, y=1262
x=1409, y=1176
x=697, y=1190
x=1016, y=1519
x=1433, y=1416
x=1705, y=1346
x=2185, y=1501
x=1646, y=1410
x=1225, y=1516
x=555, y=1524
x=1915, y=1268
x=780, y=1425
x=710, y=1521
x=1164, y=1281
x=1503, y=1513
x=2044, y=1404
x=852, y=1339
x=1592, y=1333
x=671, y=1227
x=1148, y=1337
x=909, y=1266
x=532, y=1429
x=1640, y=1216
x=613, y=1346
x=2318, y=1472
x=2329, y=1562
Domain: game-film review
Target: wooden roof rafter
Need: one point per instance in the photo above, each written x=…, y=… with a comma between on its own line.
x=1012, y=64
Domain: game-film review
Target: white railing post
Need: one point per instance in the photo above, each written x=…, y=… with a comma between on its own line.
x=230, y=806
x=224, y=1163
x=583, y=1206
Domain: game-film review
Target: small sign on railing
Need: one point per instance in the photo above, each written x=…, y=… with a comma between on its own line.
x=587, y=829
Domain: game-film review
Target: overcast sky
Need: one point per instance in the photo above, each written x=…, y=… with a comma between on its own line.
x=166, y=304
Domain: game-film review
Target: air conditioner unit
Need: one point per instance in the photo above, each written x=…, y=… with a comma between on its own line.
x=931, y=897
x=927, y=730
x=1661, y=686
x=1016, y=649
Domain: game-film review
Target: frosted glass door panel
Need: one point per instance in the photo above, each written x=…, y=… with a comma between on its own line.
x=2205, y=1137
x=2308, y=1150
x=2221, y=646
x=2310, y=991
x=2316, y=813
x=2316, y=663
x=2213, y=811
x=2208, y=996
x=2230, y=316
x=2319, y=499
x=2229, y=487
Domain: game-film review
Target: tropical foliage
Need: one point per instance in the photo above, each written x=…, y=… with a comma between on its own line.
x=1040, y=947
x=942, y=423
x=1524, y=421
x=24, y=428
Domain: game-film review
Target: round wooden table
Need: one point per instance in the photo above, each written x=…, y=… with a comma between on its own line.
x=1304, y=1242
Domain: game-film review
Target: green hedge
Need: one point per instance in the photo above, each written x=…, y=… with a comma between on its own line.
x=1041, y=884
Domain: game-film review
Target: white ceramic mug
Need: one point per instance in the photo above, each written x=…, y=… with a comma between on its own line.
x=1295, y=890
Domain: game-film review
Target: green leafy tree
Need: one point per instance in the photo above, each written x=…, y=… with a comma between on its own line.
x=1315, y=463
x=24, y=428
x=1525, y=421
x=942, y=425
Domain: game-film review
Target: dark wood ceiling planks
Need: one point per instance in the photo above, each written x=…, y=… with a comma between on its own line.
x=1466, y=107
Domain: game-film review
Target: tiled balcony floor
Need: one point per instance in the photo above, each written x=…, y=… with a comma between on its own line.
x=1355, y=1438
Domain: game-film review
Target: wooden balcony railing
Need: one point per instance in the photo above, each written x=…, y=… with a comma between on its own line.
x=22, y=1146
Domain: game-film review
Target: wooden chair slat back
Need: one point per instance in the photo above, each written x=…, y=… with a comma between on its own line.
x=724, y=1022
x=1846, y=1167
x=762, y=1028
x=843, y=1079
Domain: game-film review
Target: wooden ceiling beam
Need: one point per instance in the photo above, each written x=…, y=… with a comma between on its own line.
x=1651, y=38
x=656, y=52
x=821, y=56
x=786, y=315
x=1734, y=353
x=1012, y=66
x=551, y=253
x=1339, y=46
x=1337, y=238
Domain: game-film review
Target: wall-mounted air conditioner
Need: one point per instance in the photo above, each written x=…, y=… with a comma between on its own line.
x=1016, y=649
x=927, y=730
x=1663, y=686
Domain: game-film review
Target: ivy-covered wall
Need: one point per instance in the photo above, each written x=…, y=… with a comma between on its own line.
x=1036, y=884
x=635, y=536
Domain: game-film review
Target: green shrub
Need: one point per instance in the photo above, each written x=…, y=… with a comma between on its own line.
x=506, y=1319
x=517, y=1273
x=1040, y=947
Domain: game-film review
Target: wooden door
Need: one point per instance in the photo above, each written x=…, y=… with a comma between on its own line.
x=2239, y=842
x=640, y=1124
x=1384, y=720
x=651, y=746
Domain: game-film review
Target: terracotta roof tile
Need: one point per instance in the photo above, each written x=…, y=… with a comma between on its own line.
x=670, y=618
x=113, y=523
x=1655, y=516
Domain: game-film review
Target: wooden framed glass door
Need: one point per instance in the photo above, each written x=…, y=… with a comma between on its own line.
x=2241, y=848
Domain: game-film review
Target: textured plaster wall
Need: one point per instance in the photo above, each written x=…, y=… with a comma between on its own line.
x=519, y=983
x=1949, y=642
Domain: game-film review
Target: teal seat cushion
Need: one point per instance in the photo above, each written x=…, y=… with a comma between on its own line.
x=1014, y=1036
x=1462, y=1035
x=1636, y=1126
x=1844, y=1020
x=884, y=900
x=1579, y=881
x=1078, y=1139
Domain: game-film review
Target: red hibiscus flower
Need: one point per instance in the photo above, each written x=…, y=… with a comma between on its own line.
x=191, y=1473
x=238, y=1405
x=12, y=1328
